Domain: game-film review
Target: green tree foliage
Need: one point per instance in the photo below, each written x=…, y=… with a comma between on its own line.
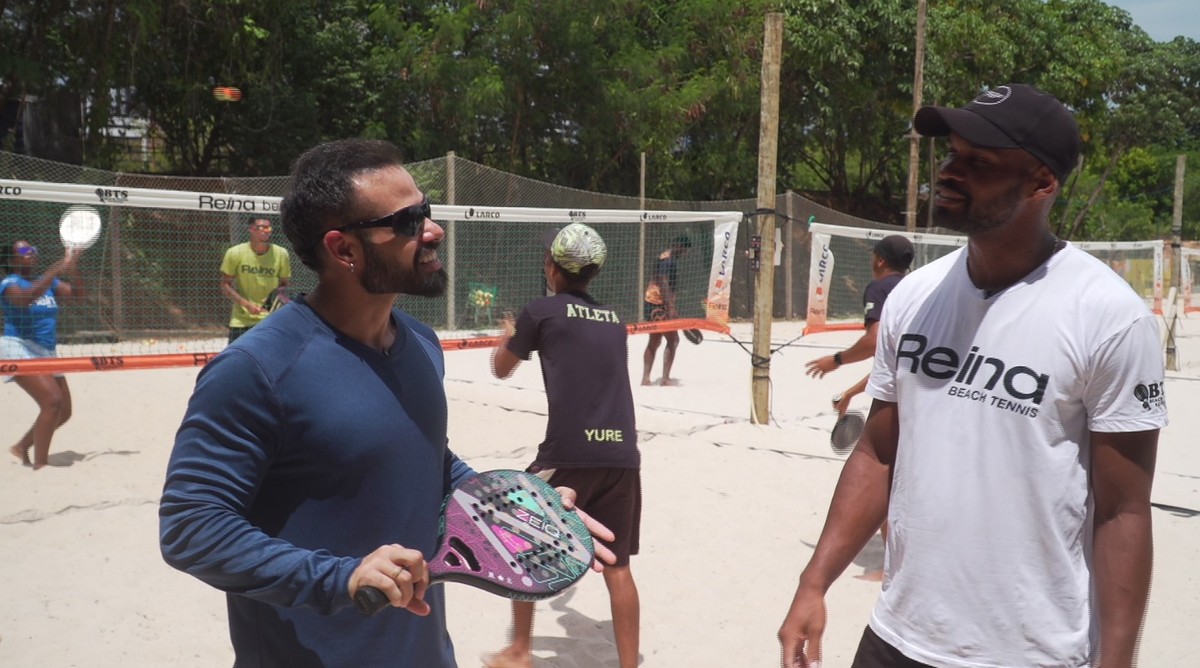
x=1151, y=104
x=193, y=46
x=848, y=96
x=574, y=91
x=69, y=56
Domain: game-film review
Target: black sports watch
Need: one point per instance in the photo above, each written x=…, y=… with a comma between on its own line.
x=837, y=358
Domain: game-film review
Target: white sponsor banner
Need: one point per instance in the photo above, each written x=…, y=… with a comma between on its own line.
x=80, y=193
x=1185, y=281
x=586, y=216
x=1154, y=245
x=866, y=233
x=1186, y=257
x=721, y=274
x=1158, y=276
x=820, y=276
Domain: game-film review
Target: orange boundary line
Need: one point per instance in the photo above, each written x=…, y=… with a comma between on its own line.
x=102, y=363
x=835, y=327
x=55, y=365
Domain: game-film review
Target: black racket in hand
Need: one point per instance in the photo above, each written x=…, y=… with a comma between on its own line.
x=845, y=433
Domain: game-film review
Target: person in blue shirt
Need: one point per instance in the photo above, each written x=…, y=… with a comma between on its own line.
x=319, y=436
x=30, y=307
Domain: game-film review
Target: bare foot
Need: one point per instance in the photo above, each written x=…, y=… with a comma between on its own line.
x=21, y=454
x=669, y=382
x=870, y=576
x=647, y=381
x=508, y=658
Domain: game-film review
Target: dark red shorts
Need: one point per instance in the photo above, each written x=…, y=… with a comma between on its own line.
x=613, y=496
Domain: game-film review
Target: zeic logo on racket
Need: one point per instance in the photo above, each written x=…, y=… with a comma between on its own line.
x=508, y=533
x=537, y=522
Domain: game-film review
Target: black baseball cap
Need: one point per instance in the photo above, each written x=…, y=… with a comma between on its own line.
x=1011, y=116
x=896, y=250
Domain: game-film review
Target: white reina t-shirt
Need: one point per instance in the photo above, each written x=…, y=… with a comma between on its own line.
x=990, y=519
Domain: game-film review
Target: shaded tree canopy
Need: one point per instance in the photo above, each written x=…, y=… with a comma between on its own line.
x=572, y=92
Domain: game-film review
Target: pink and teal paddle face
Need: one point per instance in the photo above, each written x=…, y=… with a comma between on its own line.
x=508, y=533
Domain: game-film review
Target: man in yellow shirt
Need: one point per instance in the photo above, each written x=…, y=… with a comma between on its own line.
x=254, y=276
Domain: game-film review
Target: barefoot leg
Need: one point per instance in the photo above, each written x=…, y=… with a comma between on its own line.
x=48, y=394
x=648, y=357
x=517, y=654
x=20, y=449
x=669, y=357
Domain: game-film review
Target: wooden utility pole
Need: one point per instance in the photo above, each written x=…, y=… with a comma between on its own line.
x=1177, y=220
x=933, y=170
x=450, y=244
x=763, y=257
x=914, y=139
x=641, y=284
x=642, y=183
x=1172, y=362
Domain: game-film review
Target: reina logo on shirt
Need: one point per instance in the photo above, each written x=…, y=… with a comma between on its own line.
x=988, y=380
x=1151, y=395
x=258, y=271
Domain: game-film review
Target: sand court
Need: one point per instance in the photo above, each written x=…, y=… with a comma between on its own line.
x=732, y=511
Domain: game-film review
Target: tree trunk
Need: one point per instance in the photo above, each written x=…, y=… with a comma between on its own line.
x=1077, y=224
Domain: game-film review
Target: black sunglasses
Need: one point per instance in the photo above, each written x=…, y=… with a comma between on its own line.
x=407, y=222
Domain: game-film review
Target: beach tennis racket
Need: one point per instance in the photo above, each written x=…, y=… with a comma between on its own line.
x=505, y=532
x=272, y=303
x=79, y=227
x=693, y=335
x=845, y=433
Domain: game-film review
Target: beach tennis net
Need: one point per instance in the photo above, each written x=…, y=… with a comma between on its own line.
x=840, y=268
x=153, y=296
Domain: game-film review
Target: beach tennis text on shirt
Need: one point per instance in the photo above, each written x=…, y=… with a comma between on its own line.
x=1022, y=385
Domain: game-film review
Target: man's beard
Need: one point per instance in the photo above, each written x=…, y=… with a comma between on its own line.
x=382, y=275
x=977, y=217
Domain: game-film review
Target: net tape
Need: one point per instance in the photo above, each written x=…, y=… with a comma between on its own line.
x=155, y=352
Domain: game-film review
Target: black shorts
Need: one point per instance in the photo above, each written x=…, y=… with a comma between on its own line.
x=236, y=332
x=873, y=652
x=613, y=496
x=653, y=312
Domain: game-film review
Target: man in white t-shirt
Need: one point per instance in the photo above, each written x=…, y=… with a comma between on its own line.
x=1018, y=394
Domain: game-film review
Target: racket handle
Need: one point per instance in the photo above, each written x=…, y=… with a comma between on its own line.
x=370, y=600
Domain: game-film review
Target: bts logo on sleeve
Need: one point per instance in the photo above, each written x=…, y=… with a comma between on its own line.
x=1151, y=395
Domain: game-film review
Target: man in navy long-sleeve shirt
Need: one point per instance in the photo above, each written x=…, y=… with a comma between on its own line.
x=320, y=436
